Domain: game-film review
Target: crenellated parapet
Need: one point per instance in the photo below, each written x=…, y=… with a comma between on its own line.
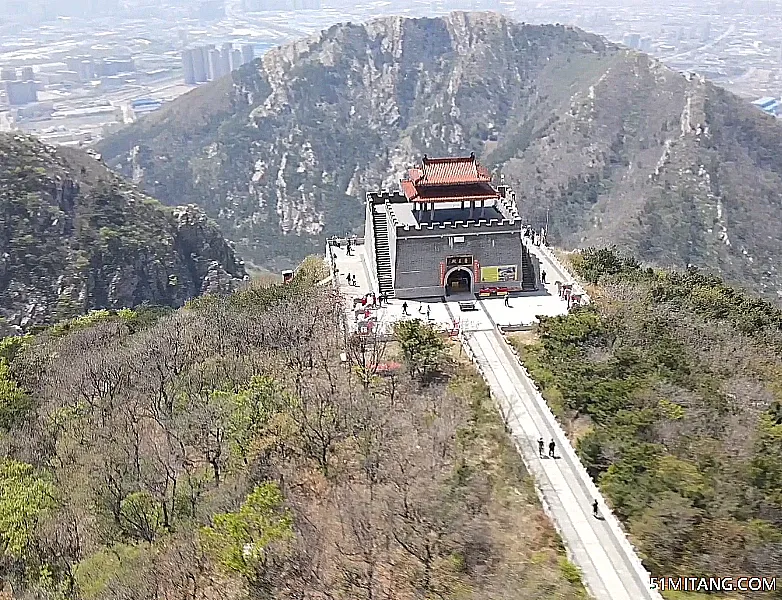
x=457, y=227
x=509, y=204
x=507, y=201
x=385, y=197
x=391, y=214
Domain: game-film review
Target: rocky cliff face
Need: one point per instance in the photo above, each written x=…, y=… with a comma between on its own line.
x=74, y=237
x=611, y=144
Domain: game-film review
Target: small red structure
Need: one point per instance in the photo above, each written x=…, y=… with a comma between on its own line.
x=386, y=368
x=488, y=292
x=287, y=276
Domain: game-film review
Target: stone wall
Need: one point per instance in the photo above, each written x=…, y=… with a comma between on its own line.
x=418, y=260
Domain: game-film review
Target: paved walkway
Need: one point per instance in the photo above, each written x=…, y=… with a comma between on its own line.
x=611, y=569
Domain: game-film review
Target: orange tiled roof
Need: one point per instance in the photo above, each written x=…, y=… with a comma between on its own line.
x=408, y=189
x=450, y=171
x=438, y=172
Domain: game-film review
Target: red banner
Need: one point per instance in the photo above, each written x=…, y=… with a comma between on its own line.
x=477, y=271
x=442, y=274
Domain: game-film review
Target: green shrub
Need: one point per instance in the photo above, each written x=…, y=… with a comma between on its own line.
x=97, y=571
x=141, y=517
x=240, y=540
x=423, y=348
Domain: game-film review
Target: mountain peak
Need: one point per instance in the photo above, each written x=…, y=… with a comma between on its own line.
x=601, y=142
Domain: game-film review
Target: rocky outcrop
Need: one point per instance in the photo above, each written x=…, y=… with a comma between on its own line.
x=74, y=237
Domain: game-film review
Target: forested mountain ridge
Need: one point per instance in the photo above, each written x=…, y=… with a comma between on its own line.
x=75, y=237
x=225, y=451
x=669, y=384
x=614, y=146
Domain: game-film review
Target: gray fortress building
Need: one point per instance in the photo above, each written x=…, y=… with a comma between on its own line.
x=447, y=231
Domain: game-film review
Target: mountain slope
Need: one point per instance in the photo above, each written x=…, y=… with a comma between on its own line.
x=613, y=145
x=74, y=236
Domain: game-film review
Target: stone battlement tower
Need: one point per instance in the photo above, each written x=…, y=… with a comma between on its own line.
x=447, y=231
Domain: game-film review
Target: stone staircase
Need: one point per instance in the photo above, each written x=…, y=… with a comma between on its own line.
x=529, y=279
x=382, y=254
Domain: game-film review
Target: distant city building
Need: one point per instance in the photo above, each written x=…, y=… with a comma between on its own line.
x=248, y=53
x=86, y=70
x=112, y=83
x=89, y=68
x=21, y=92
x=114, y=66
x=632, y=40
x=145, y=105
x=768, y=105
x=216, y=62
x=8, y=74
x=200, y=66
x=215, y=65
x=236, y=59
x=187, y=66
x=28, y=74
x=205, y=50
x=225, y=59
x=73, y=63
x=706, y=32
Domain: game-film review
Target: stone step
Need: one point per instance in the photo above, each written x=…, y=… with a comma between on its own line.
x=382, y=253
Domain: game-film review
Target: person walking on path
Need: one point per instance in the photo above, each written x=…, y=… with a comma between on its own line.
x=552, y=446
x=595, y=509
x=543, y=277
x=541, y=443
x=428, y=311
x=507, y=300
x=404, y=309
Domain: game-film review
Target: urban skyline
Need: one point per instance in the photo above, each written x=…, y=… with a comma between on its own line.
x=91, y=66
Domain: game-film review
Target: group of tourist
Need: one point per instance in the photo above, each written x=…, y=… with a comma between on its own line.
x=552, y=453
x=421, y=311
x=537, y=237
x=372, y=299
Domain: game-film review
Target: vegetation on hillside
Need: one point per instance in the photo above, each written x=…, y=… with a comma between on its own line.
x=75, y=237
x=671, y=381
x=226, y=451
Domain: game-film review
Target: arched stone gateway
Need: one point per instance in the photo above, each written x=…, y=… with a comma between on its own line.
x=458, y=281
